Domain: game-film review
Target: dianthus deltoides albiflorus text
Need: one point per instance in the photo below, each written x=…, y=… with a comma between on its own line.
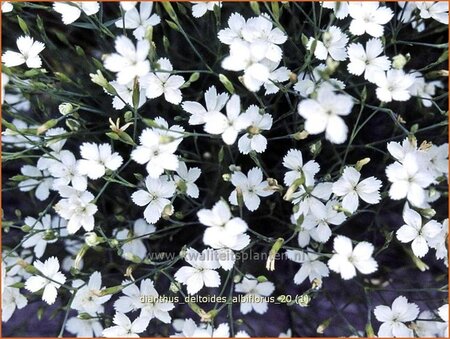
x=224, y=169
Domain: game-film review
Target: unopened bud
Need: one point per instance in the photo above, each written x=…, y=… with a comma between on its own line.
x=65, y=108
x=399, y=61
x=167, y=211
x=270, y=263
x=359, y=165
x=300, y=135
x=91, y=239
x=323, y=326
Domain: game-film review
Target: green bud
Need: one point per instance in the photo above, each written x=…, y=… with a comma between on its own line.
x=169, y=9
x=49, y=235
x=26, y=228
x=23, y=26
x=46, y=126
x=80, y=51
x=65, y=108
x=128, y=116
x=73, y=124
x=194, y=77
x=173, y=25
x=262, y=279
x=111, y=290
x=255, y=7
x=84, y=316
x=227, y=83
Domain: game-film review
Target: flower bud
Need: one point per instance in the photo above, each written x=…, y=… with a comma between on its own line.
x=91, y=239
x=300, y=135
x=399, y=61
x=270, y=263
x=65, y=108
x=167, y=211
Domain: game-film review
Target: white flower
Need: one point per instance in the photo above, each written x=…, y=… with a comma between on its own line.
x=324, y=114
x=236, y=23
x=155, y=197
x=349, y=187
x=293, y=160
x=199, y=8
x=437, y=10
x=254, y=290
x=214, y=103
x=140, y=20
x=130, y=61
x=84, y=328
x=414, y=231
x=37, y=180
x=251, y=186
x=76, y=207
x=310, y=201
x=97, y=158
x=66, y=171
x=71, y=11
x=135, y=247
x=253, y=140
x=163, y=82
x=156, y=152
x=368, y=18
x=146, y=299
x=188, y=329
x=7, y=7
x=340, y=8
x=368, y=60
x=276, y=75
x=409, y=180
x=393, y=318
x=124, y=328
x=50, y=270
x=317, y=223
x=15, y=138
x=424, y=90
x=38, y=234
x=12, y=299
x=393, y=85
x=427, y=327
x=185, y=179
x=333, y=43
x=259, y=32
x=309, y=83
x=28, y=53
x=87, y=299
x=201, y=272
x=312, y=268
x=224, y=230
x=347, y=259
x=228, y=125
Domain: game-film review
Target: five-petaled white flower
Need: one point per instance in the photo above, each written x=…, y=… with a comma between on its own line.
x=293, y=160
x=349, y=187
x=251, y=186
x=155, y=197
x=224, y=230
x=201, y=272
x=347, y=259
x=130, y=61
x=157, y=152
x=394, y=318
x=12, y=299
x=66, y=171
x=146, y=299
x=88, y=298
x=393, y=85
x=333, y=43
x=368, y=17
x=124, y=328
x=253, y=140
x=185, y=179
x=367, y=60
x=163, y=82
x=214, y=103
x=51, y=280
x=324, y=114
x=71, y=11
x=312, y=267
x=228, y=125
x=76, y=207
x=28, y=53
x=415, y=231
x=140, y=20
x=84, y=328
x=437, y=10
x=97, y=159
x=254, y=290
